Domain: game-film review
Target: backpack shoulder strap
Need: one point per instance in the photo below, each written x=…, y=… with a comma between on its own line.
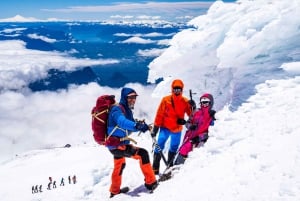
x=122, y=109
x=117, y=127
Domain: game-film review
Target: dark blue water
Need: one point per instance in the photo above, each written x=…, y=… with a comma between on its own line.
x=94, y=41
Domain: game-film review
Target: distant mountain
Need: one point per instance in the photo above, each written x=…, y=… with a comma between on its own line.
x=19, y=18
x=61, y=79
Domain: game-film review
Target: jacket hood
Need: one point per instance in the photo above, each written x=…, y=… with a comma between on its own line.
x=177, y=83
x=124, y=93
x=210, y=97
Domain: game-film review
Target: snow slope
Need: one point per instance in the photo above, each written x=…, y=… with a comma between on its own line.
x=252, y=154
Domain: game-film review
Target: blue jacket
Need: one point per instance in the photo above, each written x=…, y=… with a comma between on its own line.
x=122, y=117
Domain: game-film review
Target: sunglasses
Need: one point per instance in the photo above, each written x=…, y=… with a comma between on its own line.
x=177, y=90
x=131, y=97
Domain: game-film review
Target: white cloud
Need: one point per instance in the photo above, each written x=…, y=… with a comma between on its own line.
x=147, y=17
x=122, y=17
x=157, y=6
x=43, y=38
x=292, y=67
x=12, y=30
x=20, y=66
x=138, y=40
x=148, y=35
x=150, y=52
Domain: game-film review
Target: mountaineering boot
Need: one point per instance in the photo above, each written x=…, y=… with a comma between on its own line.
x=152, y=187
x=180, y=159
x=165, y=176
x=156, y=163
x=171, y=156
x=122, y=190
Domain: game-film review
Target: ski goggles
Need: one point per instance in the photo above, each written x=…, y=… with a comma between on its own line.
x=205, y=101
x=177, y=90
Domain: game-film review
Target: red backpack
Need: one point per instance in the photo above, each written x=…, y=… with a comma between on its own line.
x=100, y=117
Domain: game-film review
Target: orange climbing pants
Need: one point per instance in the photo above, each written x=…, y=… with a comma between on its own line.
x=130, y=151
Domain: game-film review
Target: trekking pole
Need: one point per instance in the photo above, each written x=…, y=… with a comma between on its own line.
x=159, y=150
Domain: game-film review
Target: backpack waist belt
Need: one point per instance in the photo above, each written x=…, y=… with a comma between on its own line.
x=122, y=138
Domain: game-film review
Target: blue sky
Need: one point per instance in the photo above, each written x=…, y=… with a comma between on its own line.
x=101, y=9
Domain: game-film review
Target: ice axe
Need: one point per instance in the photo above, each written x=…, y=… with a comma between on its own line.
x=191, y=98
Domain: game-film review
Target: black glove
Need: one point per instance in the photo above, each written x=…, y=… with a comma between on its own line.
x=192, y=104
x=154, y=131
x=141, y=126
x=212, y=114
x=181, y=121
x=204, y=138
x=193, y=127
x=195, y=140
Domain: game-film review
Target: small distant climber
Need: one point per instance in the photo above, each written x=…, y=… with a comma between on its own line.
x=62, y=182
x=36, y=189
x=49, y=186
x=74, y=179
